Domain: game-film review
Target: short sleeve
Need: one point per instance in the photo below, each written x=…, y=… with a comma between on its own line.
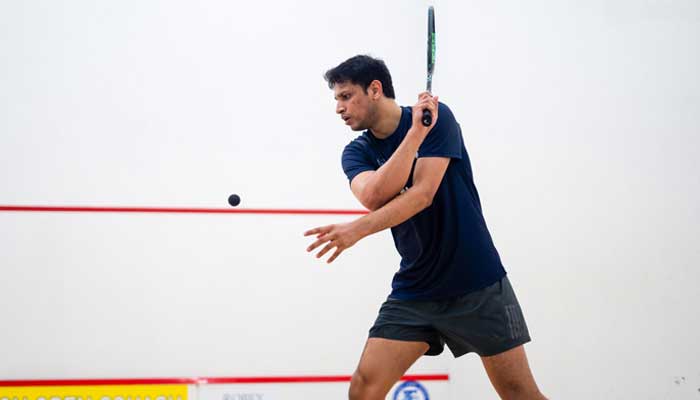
x=445, y=139
x=356, y=159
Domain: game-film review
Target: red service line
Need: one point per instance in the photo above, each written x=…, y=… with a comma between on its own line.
x=195, y=381
x=168, y=210
x=314, y=379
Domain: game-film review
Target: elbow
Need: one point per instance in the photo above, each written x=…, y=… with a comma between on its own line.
x=372, y=207
x=372, y=203
x=371, y=200
x=425, y=199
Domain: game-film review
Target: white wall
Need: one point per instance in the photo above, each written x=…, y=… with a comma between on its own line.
x=581, y=118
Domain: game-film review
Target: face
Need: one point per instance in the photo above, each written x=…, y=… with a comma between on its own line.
x=354, y=105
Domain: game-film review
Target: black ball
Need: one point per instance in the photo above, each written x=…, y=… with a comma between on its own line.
x=234, y=200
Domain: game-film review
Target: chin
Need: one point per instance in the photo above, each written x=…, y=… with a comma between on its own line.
x=358, y=127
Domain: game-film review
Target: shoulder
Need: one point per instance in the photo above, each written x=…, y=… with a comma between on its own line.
x=358, y=145
x=445, y=112
x=442, y=106
x=357, y=157
x=446, y=123
x=445, y=138
x=358, y=151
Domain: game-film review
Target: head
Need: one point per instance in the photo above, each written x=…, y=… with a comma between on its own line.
x=360, y=84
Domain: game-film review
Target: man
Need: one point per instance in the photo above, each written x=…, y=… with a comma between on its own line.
x=451, y=287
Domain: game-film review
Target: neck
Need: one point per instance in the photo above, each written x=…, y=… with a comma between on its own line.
x=389, y=116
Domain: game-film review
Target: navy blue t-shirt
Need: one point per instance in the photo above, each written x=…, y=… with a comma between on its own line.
x=446, y=249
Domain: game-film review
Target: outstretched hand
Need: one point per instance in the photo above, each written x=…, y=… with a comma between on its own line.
x=338, y=236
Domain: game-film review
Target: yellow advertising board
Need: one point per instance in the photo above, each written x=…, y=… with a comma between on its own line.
x=97, y=392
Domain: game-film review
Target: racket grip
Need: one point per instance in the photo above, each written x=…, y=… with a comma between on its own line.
x=427, y=118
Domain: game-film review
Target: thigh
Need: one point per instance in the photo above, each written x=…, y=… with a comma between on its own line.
x=408, y=321
x=384, y=361
x=510, y=374
x=488, y=321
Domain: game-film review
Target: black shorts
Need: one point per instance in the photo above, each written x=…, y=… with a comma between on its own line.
x=487, y=322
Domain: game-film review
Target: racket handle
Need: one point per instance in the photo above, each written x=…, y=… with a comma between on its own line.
x=427, y=118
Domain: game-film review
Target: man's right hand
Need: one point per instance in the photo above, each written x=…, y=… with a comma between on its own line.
x=425, y=102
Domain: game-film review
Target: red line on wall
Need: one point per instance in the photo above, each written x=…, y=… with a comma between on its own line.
x=314, y=379
x=193, y=381
x=165, y=210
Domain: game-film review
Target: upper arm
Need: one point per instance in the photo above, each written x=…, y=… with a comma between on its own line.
x=443, y=143
x=358, y=168
x=358, y=185
x=428, y=175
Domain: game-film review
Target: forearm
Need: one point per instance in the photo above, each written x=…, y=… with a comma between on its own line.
x=391, y=178
x=396, y=211
x=428, y=176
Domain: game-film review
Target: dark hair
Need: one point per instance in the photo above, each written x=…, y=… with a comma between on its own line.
x=361, y=70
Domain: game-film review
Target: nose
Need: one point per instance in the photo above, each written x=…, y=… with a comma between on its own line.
x=339, y=108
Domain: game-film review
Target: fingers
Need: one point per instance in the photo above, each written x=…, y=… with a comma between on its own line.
x=321, y=240
x=427, y=101
x=326, y=249
x=331, y=238
x=322, y=236
x=312, y=232
x=434, y=109
x=331, y=243
x=427, y=104
x=427, y=95
x=318, y=231
x=335, y=255
x=329, y=247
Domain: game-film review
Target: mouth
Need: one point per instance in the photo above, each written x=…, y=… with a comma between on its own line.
x=346, y=119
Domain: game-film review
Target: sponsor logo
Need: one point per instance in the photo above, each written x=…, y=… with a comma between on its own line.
x=243, y=396
x=411, y=390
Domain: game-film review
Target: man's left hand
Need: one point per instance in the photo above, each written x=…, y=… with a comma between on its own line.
x=338, y=236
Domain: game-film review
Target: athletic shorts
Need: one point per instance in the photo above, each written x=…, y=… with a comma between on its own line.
x=487, y=322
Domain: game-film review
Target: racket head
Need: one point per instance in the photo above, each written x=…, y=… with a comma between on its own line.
x=427, y=118
x=431, y=41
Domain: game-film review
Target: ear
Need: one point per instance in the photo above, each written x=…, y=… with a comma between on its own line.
x=375, y=90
